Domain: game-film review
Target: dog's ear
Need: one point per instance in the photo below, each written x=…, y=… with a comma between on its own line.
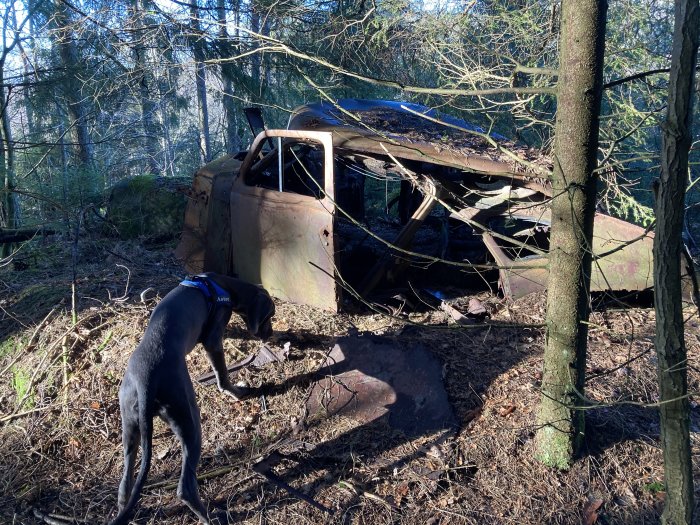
x=214, y=330
x=259, y=312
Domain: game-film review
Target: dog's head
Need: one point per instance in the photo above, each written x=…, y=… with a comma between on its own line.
x=251, y=302
x=258, y=315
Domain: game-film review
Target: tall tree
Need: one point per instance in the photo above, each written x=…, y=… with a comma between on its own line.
x=9, y=204
x=668, y=245
x=582, y=44
x=146, y=88
x=227, y=76
x=200, y=82
x=76, y=104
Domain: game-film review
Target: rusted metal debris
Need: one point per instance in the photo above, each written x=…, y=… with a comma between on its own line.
x=372, y=379
x=264, y=356
x=475, y=311
x=292, y=212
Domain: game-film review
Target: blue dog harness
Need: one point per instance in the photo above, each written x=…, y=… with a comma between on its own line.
x=214, y=293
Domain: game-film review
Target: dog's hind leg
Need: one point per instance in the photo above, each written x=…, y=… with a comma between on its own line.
x=183, y=418
x=131, y=437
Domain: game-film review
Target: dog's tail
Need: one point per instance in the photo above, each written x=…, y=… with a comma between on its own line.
x=146, y=430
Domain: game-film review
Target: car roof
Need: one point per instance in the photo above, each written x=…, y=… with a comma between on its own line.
x=414, y=132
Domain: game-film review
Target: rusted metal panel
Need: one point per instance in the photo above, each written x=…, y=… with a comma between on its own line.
x=284, y=241
x=626, y=250
x=200, y=247
x=517, y=278
x=217, y=256
x=623, y=261
x=377, y=133
x=372, y=378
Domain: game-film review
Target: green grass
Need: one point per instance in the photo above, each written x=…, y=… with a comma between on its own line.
x=7, y=347
x=655, y=487
x=21, y=379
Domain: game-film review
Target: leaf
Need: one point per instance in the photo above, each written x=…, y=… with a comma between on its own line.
x=590, y=511
x=507, y=409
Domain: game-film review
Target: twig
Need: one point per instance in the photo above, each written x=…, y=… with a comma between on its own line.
x=29, y=343
x=124, y=297
x=10, y=417
x=54, y=519
x=367, y=494
x=64, y=357
x=48, y=351
x=276, y=480
x=172, y=482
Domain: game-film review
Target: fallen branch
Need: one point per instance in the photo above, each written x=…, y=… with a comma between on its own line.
x=8, y=418
x=264, y=468
x=55, y=519
x=367, y=494
x=29, y=344
x=22, y=234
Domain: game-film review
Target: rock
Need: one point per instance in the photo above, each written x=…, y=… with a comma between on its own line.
x=147, y=205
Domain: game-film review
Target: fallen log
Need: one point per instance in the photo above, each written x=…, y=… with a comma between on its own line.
x=22, y=234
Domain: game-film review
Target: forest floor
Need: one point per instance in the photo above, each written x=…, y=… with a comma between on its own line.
x=61, y=453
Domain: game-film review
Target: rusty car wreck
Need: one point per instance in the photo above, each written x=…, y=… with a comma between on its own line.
x=358, y=195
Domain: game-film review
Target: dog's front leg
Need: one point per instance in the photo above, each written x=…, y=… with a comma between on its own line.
x=218, y=363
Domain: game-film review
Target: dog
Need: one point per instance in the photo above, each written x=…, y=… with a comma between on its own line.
x=156, y=381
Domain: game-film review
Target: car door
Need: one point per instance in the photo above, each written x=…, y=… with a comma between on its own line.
x=282, y=209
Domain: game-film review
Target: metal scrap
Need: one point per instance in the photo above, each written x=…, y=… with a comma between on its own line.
x=368, y=378
x=269, y=355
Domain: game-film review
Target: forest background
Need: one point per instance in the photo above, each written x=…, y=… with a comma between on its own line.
x=93, y=93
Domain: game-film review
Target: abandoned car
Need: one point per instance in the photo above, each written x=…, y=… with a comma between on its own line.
x=360, y=196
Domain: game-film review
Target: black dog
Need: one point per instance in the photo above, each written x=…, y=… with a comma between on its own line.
x=156, y=381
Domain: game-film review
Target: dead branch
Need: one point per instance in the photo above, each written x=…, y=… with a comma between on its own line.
x=365, y=493
x=29, y=344
x=22, y=234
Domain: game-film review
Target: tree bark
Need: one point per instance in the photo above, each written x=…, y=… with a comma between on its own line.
x=146, y=83
x=668, y=245
x=232, y=142
x=255, y=60
x=200, y=83
x=76, y=106
x=9, y=205
x=582, y=43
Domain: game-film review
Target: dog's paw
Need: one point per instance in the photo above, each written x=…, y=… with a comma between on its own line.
x=239, y=392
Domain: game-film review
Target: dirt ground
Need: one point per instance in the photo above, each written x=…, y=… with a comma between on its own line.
x=60, y=430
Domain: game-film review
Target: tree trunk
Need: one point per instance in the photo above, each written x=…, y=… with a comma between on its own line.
x=200, y=83
x=75, y=103
x=582, y=44
x=255, y=60
x=668, y=246
x=9, y=206
x=149, y=108
x=232, y=142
